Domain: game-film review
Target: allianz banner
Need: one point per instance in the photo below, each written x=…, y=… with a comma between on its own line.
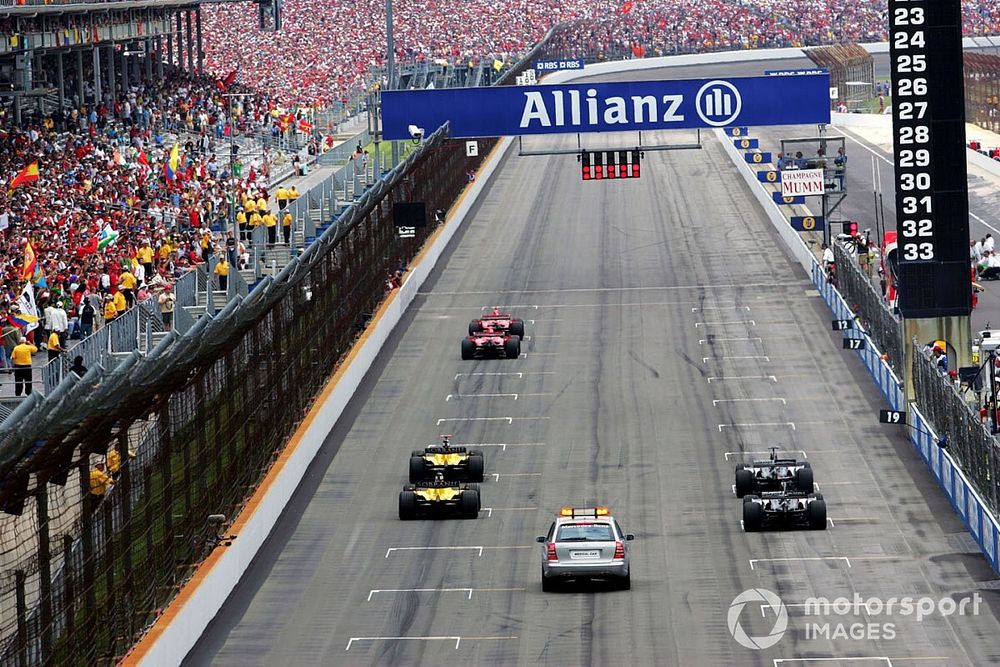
x=608, y=107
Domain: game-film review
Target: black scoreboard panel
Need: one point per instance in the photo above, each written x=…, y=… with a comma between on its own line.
x=932, y=199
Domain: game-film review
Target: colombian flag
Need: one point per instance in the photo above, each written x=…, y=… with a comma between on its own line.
x=27, y=175
x=173, y=164
x=23, y=321
x=30, y=262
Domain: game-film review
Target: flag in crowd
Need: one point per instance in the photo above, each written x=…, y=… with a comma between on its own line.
x=30, y=261
x=27, y=175
x=108, y=236
x=27, y=318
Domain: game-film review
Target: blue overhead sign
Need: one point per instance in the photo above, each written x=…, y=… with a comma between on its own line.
x=556, y=65
x=609, y=107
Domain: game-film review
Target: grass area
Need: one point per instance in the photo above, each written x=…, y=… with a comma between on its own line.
x=872, y=105
x=385, y=150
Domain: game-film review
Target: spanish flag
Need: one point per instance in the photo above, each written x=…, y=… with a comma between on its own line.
x=27, y=175
x=30, y=262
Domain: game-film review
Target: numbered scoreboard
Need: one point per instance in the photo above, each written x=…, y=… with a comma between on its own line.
x=928, y=113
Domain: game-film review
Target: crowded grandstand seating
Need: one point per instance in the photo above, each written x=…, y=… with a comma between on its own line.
x=328, y=48
x=103, y=187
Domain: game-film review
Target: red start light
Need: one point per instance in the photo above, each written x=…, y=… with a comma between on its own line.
x=550, y=552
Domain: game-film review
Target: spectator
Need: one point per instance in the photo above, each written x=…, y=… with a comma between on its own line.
x=87, y=315
x=100, y=482
x=11, y=337
x=21, y=357
x=222, y=272
x=286, y=227
x=55, y=349
x=167, y=300
x=78, y=366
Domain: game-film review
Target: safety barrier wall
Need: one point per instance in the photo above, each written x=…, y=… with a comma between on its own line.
x=968, y=504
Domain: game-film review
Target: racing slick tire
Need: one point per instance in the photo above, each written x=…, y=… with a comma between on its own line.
x=417, y=469
x=477, y=468
x=624, y=583
x=470, y=504
x=744, y=482
x=407, y=505
x=804, y=480
x=417, y=452
x=517, y=328
x=817, y=515
x=468, y=349
x=548, y=585
x=753, y=516
x=475, y=326
x=512, y=348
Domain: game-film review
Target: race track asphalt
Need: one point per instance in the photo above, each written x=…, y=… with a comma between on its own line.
x=670, y=338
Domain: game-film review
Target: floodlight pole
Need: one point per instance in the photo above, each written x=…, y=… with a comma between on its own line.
x=390, y=65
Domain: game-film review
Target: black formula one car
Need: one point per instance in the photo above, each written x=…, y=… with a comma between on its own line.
x=498, y=321
x=447, y=462
x=773, y=474
x=788, y=508
x=491, y=343
x=439, y=499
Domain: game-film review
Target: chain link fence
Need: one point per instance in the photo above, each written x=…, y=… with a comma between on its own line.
x=89, y=557
x=867, y=303
x=969, y=442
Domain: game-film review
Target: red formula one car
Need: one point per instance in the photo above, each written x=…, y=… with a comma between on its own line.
x=498, y=321
x=491, y=343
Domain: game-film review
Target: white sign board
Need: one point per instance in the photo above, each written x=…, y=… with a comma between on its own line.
x=471, y=148
x=834, y=92
x=801, y=182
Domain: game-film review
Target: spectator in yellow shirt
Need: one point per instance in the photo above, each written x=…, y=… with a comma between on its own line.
x=282, y=197
x=255, y=221
x=145, y=257
x=126, y=284
x=114, y=461
x=286, y=227
x=241, y=223
x=271, y=222
x=110, y=312
x=55, y=349
x=21, y=357
x=261, y=205
x=222, y=272
x=293, y=194
x=119, y=303
x=100, y=481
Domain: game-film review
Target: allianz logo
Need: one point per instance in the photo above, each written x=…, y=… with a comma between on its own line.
x=717, y=103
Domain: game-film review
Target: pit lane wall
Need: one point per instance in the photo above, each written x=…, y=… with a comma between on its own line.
x=982, y=525
x=207, y=592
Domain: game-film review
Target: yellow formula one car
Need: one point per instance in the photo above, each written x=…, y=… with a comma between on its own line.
x=439, y=498
x=451, y=463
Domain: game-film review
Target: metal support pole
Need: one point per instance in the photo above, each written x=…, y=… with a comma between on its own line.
x=201, y=50
x=170, y=52
x=79, y=77
x=62, y=80
x=149, y=59
x=390, y=64
x=190, y=43
x=180, y=42
x=125, y=68
x=112, y=84
x=22, y=618
x=97, y=76
x=159, y=55
x=44, y=569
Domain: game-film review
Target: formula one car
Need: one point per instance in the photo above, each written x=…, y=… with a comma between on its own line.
x=446, y=462
x=439, y=498
x=772, y=474
x=785, y=508
x=491, y=343
x=498, y=321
